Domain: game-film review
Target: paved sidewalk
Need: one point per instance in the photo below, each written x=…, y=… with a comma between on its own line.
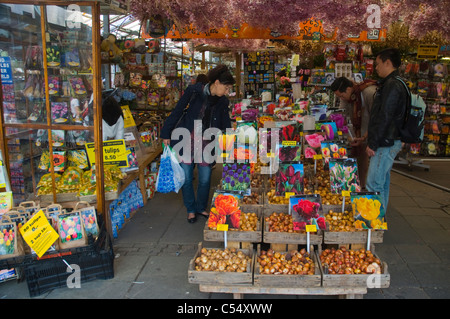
x=154, y=249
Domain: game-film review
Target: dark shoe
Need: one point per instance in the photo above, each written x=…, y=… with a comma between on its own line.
x=204, y=214
x=192, y=219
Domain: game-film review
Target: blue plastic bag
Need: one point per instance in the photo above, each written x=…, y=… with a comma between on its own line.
x=171, y=174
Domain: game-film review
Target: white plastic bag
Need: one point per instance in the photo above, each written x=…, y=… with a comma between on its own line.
x=171, y=174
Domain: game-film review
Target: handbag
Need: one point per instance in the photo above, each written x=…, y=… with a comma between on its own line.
x=185, y=110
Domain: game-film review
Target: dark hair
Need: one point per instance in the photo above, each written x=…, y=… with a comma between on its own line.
x=391, y=54
x=222, y=74
x=111, y=110
x=201, y=78
x=341, y=84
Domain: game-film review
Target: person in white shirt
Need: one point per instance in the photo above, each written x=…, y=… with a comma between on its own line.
x=112, y=119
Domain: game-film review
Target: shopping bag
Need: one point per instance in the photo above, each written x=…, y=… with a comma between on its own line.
x=171, y=174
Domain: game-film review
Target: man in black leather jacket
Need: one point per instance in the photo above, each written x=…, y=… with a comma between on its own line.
x=386, y=116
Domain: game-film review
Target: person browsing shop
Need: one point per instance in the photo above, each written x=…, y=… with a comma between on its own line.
x=112, y=118
x=209, y=106
x=386, y=116
x=357, y=101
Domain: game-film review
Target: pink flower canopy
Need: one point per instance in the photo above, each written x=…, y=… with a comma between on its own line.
x=349, y=16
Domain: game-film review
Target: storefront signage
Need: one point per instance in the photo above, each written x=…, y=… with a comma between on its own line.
x=114, y=153
x=429, y=52
x=38, y=233
x=6, y=70
x=308, y=30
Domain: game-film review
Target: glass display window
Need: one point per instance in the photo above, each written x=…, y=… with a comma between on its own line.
x=50, y=89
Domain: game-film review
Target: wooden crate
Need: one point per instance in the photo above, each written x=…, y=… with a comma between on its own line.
x=361, y=280
x=221, y=278
x=336, y=208
x=237, y=235
x=288, y=281
x=353, y=237
x=260, y=198
x=288, y=238
x=268, y=207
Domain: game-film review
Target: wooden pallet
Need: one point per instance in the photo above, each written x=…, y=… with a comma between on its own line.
x=239, y=291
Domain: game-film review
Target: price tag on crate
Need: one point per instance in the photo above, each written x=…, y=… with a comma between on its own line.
x=309, y=229
x=289, y=194
x=224, y=228
x=344, y=195
x=38, y=233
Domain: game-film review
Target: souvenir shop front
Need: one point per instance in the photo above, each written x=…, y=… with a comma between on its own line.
x=290, y=209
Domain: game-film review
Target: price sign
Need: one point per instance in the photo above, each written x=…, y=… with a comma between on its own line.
x=289, y=194
x=317, y=157
x=38, y=233
x=289, y=143
x=114, y=153
x=310, y=228
x=128, y=119
x=222, y=227
x=426, y=51
x=346, y=193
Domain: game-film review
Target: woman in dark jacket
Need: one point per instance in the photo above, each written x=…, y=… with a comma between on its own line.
x=204, y=106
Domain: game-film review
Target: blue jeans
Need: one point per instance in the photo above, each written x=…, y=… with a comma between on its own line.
x=379, y=173
x=193, y=204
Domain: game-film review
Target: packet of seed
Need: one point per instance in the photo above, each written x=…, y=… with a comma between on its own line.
x=53, y=56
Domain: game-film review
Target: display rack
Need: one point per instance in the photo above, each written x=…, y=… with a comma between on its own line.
x=54, y=53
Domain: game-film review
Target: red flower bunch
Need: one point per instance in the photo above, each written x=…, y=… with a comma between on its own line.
x=307, y=209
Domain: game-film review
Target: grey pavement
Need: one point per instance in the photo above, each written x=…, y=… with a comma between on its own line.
x=155, y=246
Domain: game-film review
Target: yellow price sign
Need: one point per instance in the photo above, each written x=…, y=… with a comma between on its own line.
x=38, y=233
x=339, y=133
x=346, y=193
x=114, y=153
x=311, y=228
x=289, y=143
x=289, y=194
x=128, y=120
x=222, y=227
x=317, y=157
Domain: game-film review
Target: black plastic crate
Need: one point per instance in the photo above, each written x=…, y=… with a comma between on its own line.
x=96, y=261
x=45, y=275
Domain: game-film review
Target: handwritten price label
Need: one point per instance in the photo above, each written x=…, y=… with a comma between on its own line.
x=311, y=228
x=289, y=194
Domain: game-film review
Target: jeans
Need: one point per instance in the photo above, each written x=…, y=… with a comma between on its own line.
x=193, y=204
x=379, y=173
